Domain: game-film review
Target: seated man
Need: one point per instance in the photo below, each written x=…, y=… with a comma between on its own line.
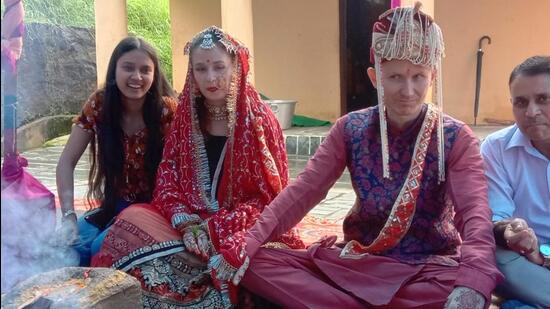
x=517, y=161
x=420, y=233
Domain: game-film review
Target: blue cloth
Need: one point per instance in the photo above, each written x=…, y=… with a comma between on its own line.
x=519, y=180
x=525, y=281
x=89, y=240
x=91, y=237
x=515, y=304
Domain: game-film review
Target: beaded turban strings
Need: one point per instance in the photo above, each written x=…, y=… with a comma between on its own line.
x=408, y=34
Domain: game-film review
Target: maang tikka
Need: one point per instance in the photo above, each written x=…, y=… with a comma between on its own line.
x=207, y=42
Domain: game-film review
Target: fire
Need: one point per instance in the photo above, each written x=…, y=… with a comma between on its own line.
x=53, y=292
x=72, y=287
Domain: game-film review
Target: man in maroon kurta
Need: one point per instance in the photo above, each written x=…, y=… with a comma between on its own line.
x=420, y=232
x=427, y=264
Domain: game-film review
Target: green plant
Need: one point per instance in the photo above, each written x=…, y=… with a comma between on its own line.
x=150, y=19
x=70, y=13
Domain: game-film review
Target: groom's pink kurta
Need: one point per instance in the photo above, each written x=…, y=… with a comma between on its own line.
x=319, y=278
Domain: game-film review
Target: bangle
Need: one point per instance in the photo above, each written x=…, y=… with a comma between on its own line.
x=68, y=213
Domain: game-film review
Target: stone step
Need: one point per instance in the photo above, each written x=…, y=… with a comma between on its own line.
x=304, y=141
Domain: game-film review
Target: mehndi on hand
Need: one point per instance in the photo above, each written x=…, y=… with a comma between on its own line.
x=196, y=241
x=463, y=297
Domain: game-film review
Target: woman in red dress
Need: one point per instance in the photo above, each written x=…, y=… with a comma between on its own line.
x=223, y=162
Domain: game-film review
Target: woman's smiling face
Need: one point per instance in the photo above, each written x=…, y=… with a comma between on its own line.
x=135, y=72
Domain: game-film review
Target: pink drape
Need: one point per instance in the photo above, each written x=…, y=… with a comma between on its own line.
x=395, y=3
x=12, y=31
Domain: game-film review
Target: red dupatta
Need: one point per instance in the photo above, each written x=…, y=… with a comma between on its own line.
x=255, y=167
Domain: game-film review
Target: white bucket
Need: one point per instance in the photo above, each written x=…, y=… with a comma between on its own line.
x=283, y=110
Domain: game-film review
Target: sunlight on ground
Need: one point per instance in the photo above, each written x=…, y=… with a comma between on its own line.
x=58, y=141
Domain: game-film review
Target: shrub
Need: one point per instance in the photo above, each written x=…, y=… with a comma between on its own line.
x=149, y=19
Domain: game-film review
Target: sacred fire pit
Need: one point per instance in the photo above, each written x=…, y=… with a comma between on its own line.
x=76, y=287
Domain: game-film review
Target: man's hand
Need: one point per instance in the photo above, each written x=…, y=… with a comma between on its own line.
x=519, y=237
x=463, y=297
x=325, y=241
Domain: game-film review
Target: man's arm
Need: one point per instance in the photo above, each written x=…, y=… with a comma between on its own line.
x=309, y=188
x=467, y=186
x=511, y=233
x=500, y=191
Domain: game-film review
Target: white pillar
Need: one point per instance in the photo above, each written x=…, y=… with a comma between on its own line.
x=237, y=21
x=111, y=26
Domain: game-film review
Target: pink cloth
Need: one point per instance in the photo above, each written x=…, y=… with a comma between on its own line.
x=21, y=188
x=395, y=3
x=318, y=278
x=28, y=221
x=12, y=31
x=466, y=186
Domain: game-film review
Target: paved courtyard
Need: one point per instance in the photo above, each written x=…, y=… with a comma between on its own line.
x=43, y=161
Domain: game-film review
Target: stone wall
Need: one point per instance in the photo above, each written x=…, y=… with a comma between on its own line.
x=35, y=134
x=57, y=71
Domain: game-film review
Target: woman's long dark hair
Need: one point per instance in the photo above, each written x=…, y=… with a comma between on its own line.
x=107, y=151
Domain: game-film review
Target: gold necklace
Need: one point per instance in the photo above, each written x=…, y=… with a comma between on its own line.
x=216, y=112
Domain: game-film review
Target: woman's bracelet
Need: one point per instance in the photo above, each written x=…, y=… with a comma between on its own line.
x=66, y=214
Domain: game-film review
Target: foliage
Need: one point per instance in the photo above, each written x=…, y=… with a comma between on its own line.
x=149, y=19
x=70, y=13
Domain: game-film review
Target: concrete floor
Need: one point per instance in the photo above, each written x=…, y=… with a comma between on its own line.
x=43, y=161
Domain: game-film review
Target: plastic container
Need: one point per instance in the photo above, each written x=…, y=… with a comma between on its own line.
x=283, y=110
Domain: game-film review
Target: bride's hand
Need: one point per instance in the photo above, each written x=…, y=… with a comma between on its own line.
x=196, y=240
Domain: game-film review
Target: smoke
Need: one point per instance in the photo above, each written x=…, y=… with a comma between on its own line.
x=29, y=245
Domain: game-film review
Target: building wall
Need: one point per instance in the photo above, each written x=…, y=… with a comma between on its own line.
x=518, y=29
x=297, y=54
x=297, y=50
x=187, y=18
